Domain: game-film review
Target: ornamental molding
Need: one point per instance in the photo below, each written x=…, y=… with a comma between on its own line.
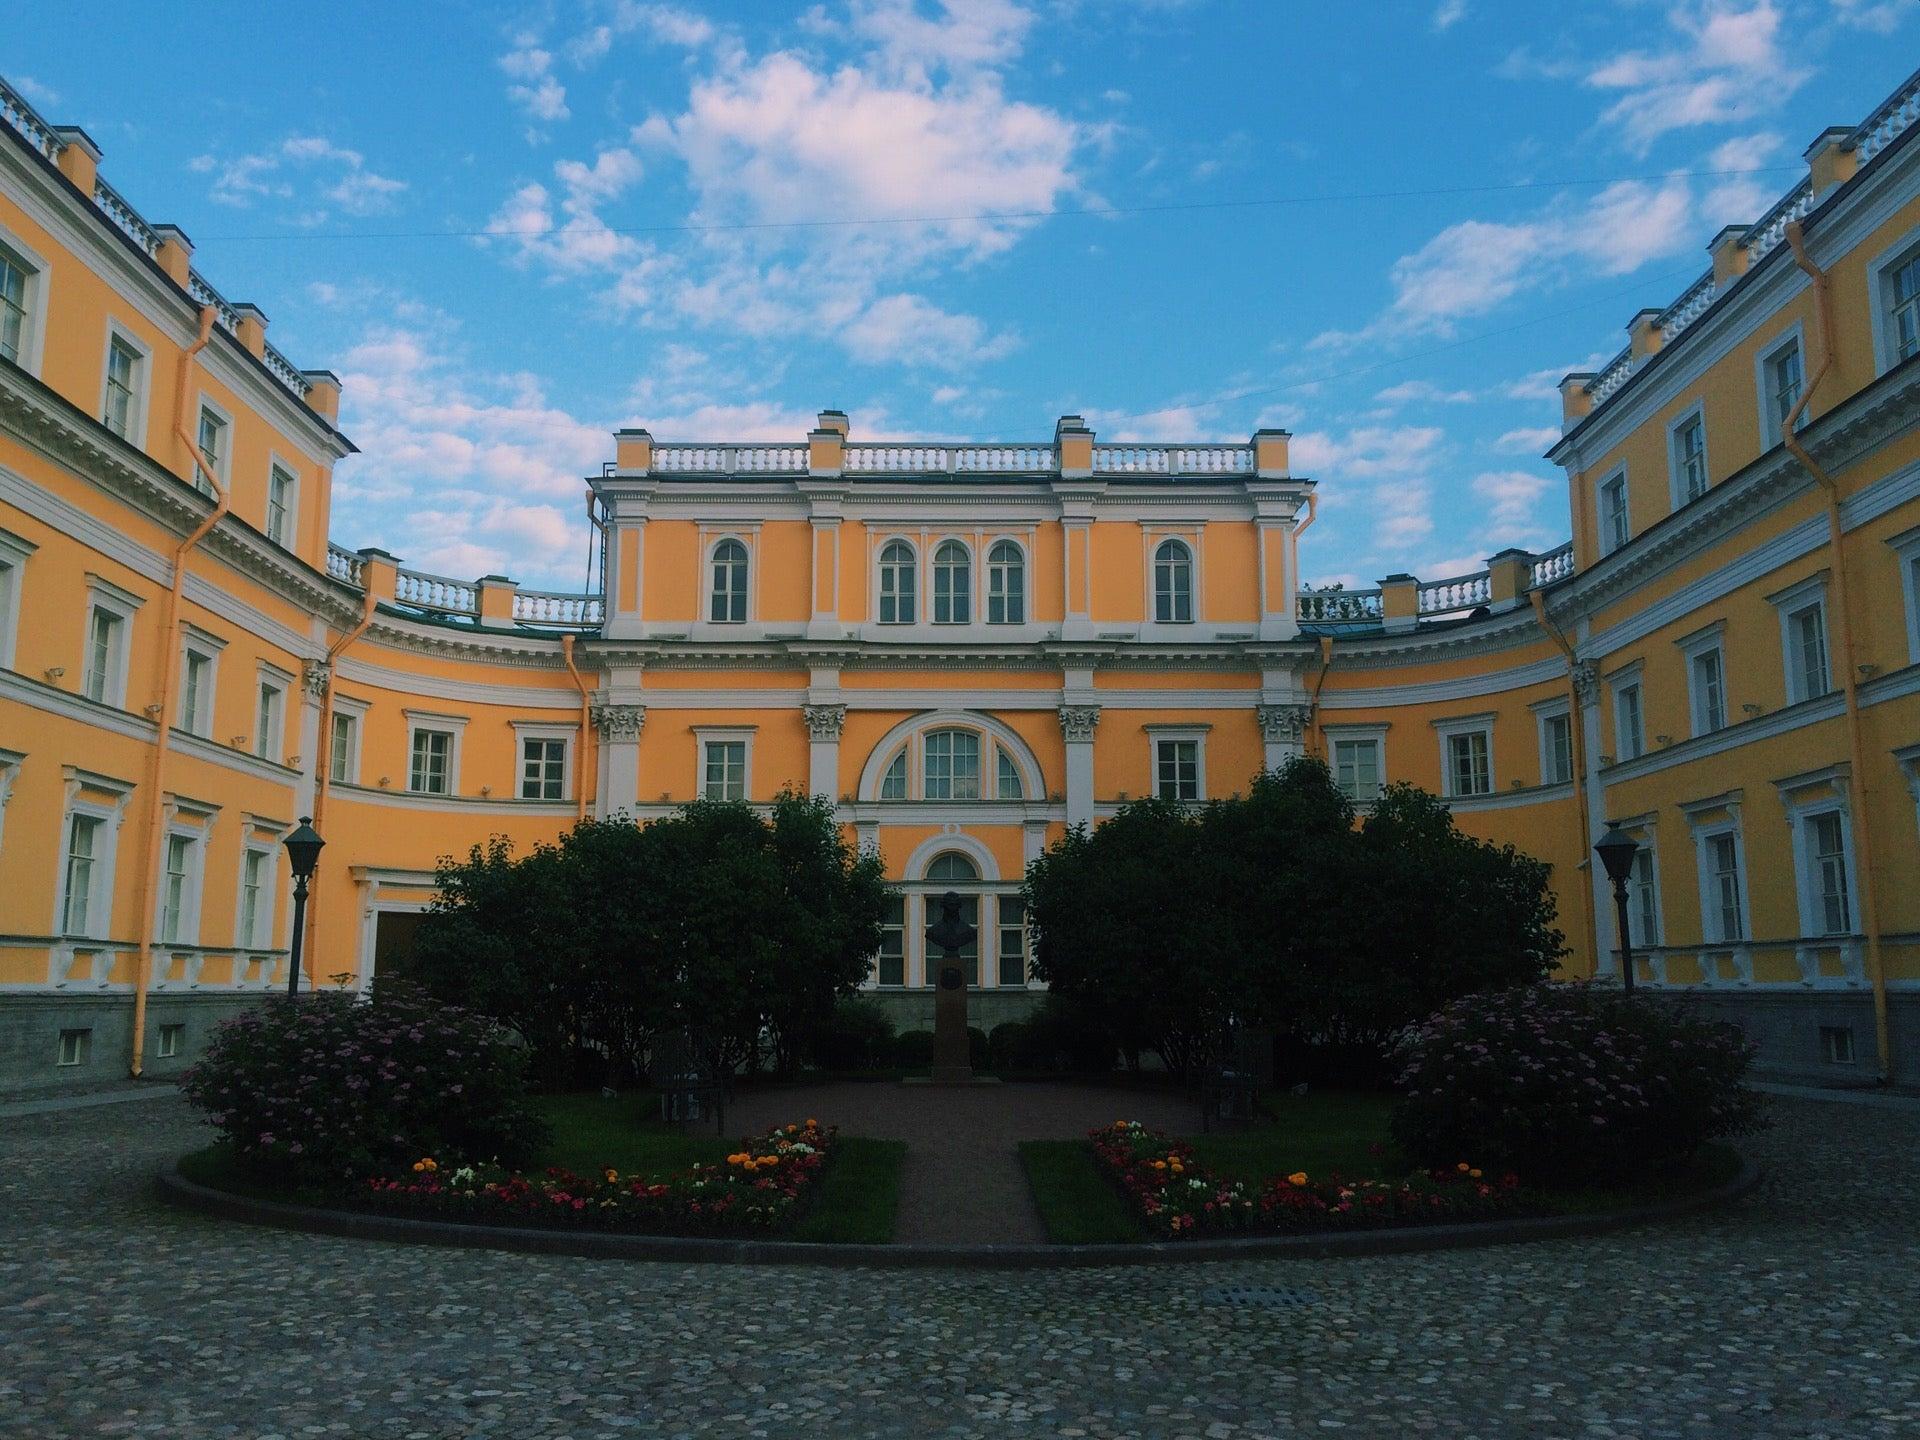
x=1586, y=681
x=1285, y=724
x=1077, y=722
x=316, y=678
x=619, y=722
x=824, y=722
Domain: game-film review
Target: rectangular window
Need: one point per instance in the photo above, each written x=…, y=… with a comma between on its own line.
x=952, y=765
x=1708, y=676
x=170, y=1037
x=891, y=967
x=196, y=693
x=76, y=1047
x=1356, y=765
x=1826, y=838
x=1556, y=749
x=1723, y=890
x=280, y=506
x=1836, y=1044
x=1629, y=729
x=83, y=834
x=1781, y=382
x=14, y=318
x=212, y=439
x=1469, y=763
x=1807, y=677
x=9, y=607
x=430, y=767
x=1903, y=305
x=726, y=770
x=1176, y=766
x=543, y=769
x=1643, y=900
x=1013, y=941
x=253, y=882
x=174, y=895
x=1690, y=459
x=343, y=747
x=105, y=632
x=1615, y=525
x=122, y=405
x=266, y=721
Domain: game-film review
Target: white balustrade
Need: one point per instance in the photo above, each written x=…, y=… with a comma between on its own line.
x=24, y=119
x=1173, y=459
x=1889, y=122
x=1618, y=371
x=546, y=607
x=1463, y=592
x=1688, y=308
x=1339, y=607
x=436, y=592
x=730, y=459
x=344, y=564
x=1553, y=565
x=123, y=215
x=1771, y=228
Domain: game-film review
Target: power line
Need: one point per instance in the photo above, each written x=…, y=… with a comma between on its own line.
x=1001, y=216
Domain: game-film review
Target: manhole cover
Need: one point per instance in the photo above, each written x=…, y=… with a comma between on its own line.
x=1268, y=1297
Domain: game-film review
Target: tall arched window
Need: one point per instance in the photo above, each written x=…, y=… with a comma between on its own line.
x=1006, y=585
x=952, y=584
x=1173, y=583
x=896, y=583
x=952, y=765
x=729, y=598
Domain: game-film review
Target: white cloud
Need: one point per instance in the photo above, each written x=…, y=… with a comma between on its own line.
x=536, y=89
x=912, y=330
x=1449, y=13
x=1727, y=66
x=1508, y=499
x=576, y=240
x=1734, y=199
x=1423, y=392
x=1528, y=440
x=340, y=175
x=966, y=34
x=1882, y=17
x=37, y=91
x=1397, y=460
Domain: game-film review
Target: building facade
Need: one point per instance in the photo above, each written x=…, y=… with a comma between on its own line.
x=969, y=647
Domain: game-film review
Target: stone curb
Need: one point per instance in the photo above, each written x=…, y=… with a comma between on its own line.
x=185, y=1194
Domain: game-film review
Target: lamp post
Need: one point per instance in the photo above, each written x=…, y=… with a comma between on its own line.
x=303, y=853
x=1616, y=850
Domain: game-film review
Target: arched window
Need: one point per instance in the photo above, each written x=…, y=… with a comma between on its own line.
x=951, y=868
x=896, y=583
x=729, y=599
x=952, y=865
x=952, y=584
x=1006, y=585
x=1173, y=583
x=893, y=785
x=952, y=769
x=1006, y=778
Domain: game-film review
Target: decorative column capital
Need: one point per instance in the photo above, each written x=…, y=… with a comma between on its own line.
x=1586, y=681
x=1284, y=724
x=1077, y=722
x=619, y=722
x=316, y=677
x=824, y=722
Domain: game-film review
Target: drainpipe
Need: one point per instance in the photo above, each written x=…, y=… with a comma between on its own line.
x=323, y=769
x=165, y=653
x=1582, y=798
x=586, y=725
x=1843, y=638
x=1319, y=683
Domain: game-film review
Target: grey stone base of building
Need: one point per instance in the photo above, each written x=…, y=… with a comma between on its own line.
x=913, y=1009
x=33, y=1027
x=1786, y=1028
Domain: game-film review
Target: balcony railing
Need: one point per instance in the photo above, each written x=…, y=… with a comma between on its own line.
x=1433, y=599
x=27, y=122
x=549, y=607
x=1889, y=122
x=883, y=459
x=440, y=594
x=344, y=564
x=1552, y=566
x=730, y=459
x=1173, y=459
x=1339, y=607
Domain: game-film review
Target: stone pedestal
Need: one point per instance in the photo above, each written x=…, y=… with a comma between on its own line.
x=952, y=1060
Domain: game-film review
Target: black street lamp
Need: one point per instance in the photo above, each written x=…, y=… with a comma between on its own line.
x=303, y=853
x=1616, y=850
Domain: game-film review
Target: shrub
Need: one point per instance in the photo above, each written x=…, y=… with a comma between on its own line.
x=1569, y=1084
x=335, y=1087
x=913, y=1049
x=1008, y=1044
x=857, y=1036
x=976, y=1047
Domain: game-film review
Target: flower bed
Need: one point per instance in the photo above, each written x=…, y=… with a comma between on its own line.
x=1177, y=1198
x=759, y=1188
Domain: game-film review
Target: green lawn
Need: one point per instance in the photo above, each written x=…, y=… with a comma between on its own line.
x=591, y=1132
x=1078, y=1205
x=859, y=1195
x=1319, y=1132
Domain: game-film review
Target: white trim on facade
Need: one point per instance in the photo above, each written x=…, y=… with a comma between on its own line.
x=142, y=389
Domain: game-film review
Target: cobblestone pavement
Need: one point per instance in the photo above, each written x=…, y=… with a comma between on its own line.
x=962, y=1182
x=1798, y=1314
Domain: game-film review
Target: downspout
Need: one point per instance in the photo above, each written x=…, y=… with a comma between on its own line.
x=1843, y=638
x=165, y=654
x=586, y=726
x=323, y=769
x=1319, y=684
x=1582, y=798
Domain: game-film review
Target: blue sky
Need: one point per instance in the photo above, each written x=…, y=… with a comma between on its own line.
x=513, y=228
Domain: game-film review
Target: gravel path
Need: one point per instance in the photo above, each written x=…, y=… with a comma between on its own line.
x=1795, y=1315
x=962, y=1183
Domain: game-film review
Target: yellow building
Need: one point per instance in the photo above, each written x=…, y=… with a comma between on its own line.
x=969, y=647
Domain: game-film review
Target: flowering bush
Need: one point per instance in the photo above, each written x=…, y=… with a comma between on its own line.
x=1569, y=1084
x=1175, y=1196
x=757, y=1188
x=333, y=1088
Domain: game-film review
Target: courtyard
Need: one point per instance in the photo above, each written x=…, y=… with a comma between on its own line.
x=1797, y=1313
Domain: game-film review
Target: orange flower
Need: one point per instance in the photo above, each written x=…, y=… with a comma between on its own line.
x=1463, y=1167
x=1298, y=1177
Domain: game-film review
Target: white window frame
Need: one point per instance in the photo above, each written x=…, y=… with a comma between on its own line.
x=1190, y=544
x=1880, y=291
x=355, y=711
x=962, y=597
x=1021, y=566
x=192, y=887
x=1609, y=540
x=1545, y=712
x=912, y=568
x=888, y=928
x=1676, y=480
x=10, y=763
x=223, y=468
x=14, y=554
x=1001, y=926
x=1642, y=830
x=1629, y=677
x=1810, y=593
x=1791, y=338
x=195, y=641
x=1693, y=646
x=1808, y=798
x=1712, y=913
x=266, y=914
x=103, y=594
x=1458, y=726
x=1374, y=735
x=1196, y=735
x=748, y=609
x=709, y=735
x=525, y=730
x=1906, y=548
x=142, y=388
x=273, y=744
x=1006, y=763
x=455, y=725
x=100, y=887
x=277, y=463
x=984, y=774
x=33, y=301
